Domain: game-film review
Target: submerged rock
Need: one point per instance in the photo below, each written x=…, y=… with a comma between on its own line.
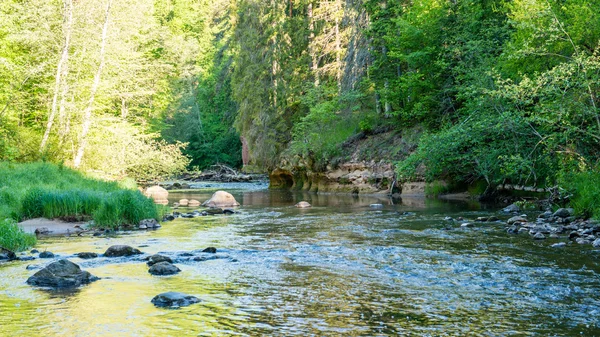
x=221, y=199
x=157, y=258
x=61, y=274
x=559, y=245
x=211, y=250
x=539, y=236
x=213, y=211
x=121, y=250
x=174, y=300
x=303, y=204
x=87, y=255
x=163, y=268
x=228, y=211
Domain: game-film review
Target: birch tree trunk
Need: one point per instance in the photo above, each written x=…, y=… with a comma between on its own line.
x=87, y=116
x=311, y=44
x=61, y=71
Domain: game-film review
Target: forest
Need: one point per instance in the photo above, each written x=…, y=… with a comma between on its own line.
x=491, y=92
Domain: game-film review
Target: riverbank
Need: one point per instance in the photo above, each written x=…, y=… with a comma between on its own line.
x=35, y=190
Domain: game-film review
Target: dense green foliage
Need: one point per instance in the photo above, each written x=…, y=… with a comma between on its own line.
x=504, y=92
x=51, y=191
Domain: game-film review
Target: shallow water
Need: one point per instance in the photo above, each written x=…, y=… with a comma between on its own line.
x=340, y=268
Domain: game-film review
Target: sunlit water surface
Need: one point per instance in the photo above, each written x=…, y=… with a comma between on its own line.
x=340, y=268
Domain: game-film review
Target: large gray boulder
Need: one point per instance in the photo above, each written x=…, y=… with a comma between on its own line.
x=121, y=250
x=174, y=300
x=61, y=274
x=221, y=199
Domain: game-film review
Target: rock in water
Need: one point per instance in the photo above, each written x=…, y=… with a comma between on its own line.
x=221, y=199
x=211, y=250
x=87, y=255
x=121, y=250
x=163, y=268
x=158, y=194
x=303, y=204
x=46, y=255
x=148, y=223
x=194, y=203
x=564, y=212
x=6, y=254
x=157, y=258
x=174, y=300
x=512, y=209
x=61, y=274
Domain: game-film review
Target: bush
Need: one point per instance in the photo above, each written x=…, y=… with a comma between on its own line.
x=12, y=237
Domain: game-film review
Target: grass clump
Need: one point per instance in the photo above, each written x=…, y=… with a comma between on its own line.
x=12, y=236
x=584, y=188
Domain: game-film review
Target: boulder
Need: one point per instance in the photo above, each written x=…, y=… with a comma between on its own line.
x=163, y=268
x=148, y=223
x=46, y=255
x=221, y=199
x=211, y=250
x=516, y=219
x=193, y=203
x=564, y=212
x=539, y=236
x=596, y=243
x=174, y=300
x=303, y=204
x=121, y=250
x=87, y=255
x=512, y=209
x=6, y=254
x=157, y=258
x=184, y=202
x=158, y=194
x=559, y=245
x=61, y=274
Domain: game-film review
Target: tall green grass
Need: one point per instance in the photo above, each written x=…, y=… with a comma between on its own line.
x=53, y=191
x=584, y=188
x=12, y=237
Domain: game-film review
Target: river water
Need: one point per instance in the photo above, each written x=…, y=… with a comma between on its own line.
x=341, y=268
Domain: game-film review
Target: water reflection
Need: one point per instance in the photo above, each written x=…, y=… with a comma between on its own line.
x=340, y=268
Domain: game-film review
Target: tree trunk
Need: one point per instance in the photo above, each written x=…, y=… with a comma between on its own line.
x=61, y=71
x=87, y=117
x=311, y=47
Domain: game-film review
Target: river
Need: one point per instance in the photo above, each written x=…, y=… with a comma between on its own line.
x=341, y=268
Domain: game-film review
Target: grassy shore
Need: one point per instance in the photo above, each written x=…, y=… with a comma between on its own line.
x=54, y=191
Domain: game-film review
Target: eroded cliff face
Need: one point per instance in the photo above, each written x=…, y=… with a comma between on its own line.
x=367, y=167
x=351, y=177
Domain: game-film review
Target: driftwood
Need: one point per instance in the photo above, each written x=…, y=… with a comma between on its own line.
x=218, y=172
